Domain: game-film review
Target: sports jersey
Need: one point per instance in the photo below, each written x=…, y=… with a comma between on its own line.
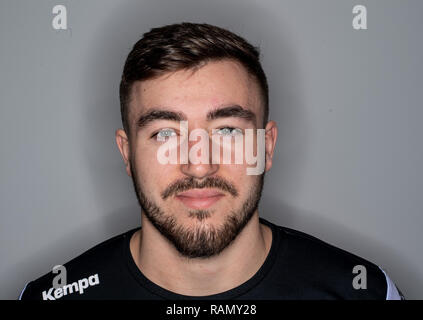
x=298, y=266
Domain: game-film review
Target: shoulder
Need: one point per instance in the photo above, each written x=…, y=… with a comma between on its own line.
x=319, y=270
x=81, y=273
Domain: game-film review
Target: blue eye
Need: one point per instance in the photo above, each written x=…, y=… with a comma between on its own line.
x=229, y=131
x=164, y=133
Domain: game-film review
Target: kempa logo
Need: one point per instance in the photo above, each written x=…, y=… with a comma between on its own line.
x=77, y=286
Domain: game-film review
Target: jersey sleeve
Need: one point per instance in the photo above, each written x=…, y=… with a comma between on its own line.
x=24, y=292
x=392, y=292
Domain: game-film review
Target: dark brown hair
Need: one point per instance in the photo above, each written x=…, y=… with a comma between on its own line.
x=187, y=46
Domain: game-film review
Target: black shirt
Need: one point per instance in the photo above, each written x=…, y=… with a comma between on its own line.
x=298, y=266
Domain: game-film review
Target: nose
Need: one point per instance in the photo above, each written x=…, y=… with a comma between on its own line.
x=199, y=170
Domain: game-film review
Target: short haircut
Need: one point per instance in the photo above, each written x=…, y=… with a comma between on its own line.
x=187, y=46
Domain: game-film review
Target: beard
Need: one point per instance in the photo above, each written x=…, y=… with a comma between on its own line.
x=201, y=241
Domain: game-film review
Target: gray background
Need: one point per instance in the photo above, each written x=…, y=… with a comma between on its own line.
x=348, y=104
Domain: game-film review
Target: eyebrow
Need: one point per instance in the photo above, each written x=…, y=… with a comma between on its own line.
x=235, y=111
x=156, y=114
x=226, y=112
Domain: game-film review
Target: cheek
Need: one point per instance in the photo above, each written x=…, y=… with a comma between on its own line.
x=237, y=175
x=154, y=177
x=249, y=184
x=148, y=169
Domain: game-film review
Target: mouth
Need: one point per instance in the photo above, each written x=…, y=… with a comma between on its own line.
x=199, y=198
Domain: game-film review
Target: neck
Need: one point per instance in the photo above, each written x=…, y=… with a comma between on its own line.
x=160, y=262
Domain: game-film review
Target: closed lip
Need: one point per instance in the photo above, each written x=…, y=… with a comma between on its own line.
x=200, y=193
x=199, y=198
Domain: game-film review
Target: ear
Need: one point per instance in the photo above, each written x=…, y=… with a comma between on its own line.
x=122, y=142
x=270, y=142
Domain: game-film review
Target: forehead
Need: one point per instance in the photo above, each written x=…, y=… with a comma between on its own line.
x=195, y=92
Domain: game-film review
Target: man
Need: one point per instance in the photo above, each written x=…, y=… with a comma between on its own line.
x=201, y=235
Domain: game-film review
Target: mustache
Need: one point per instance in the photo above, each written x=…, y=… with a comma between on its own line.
x=185, y=184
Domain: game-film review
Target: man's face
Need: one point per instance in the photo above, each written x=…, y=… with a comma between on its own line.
x=201, y=207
